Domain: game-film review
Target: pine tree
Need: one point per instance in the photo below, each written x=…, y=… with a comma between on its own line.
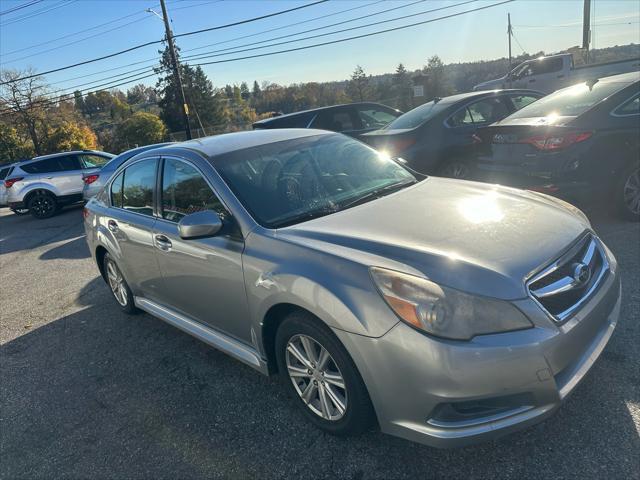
x=358, y=87
x=402, y=88
x=203, y=104
x=256, y=92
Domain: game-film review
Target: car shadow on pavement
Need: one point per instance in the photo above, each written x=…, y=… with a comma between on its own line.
x=73, y=249
x=98, y=393
x=65, y=225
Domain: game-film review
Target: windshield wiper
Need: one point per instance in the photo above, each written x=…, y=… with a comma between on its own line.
x=377, y=193
x=303, y=217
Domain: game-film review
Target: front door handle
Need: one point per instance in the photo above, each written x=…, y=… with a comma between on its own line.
x=163, y=243
x=112, y=225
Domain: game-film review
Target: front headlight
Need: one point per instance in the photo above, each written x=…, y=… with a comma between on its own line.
x=443, y=311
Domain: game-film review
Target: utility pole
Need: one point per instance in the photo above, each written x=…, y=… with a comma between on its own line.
x=586, y=31
x=176, y=70
x=509, y=33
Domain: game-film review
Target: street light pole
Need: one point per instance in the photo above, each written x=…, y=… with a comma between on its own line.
x=176, y=70
x=509, y=33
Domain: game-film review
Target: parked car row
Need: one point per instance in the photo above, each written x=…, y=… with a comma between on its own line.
x=581, y=143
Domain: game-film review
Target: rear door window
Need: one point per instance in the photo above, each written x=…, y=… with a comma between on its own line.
x=138, y=185
x=69, y=163
x=46, y=165
x=340, y=120
x=482, y=112
x=547, y=65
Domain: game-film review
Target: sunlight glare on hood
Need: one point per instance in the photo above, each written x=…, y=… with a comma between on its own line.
x=481, y=208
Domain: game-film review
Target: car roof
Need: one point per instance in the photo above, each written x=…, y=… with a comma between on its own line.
x=319, y=109
x=71, y=152
x=230, y=142
x=628, y=78
x=486, y=93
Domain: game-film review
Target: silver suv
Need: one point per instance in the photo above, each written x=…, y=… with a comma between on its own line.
x=94, y=181
x=44, y=184
x=446, y=311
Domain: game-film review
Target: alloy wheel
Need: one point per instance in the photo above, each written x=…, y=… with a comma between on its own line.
x=316, y=377
x=631, y=192
x=116, y=282
x=42, y=205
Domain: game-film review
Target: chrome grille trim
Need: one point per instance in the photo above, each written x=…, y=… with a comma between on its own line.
x=593, y=256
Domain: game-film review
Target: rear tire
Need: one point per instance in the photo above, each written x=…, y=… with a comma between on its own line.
x=627, y=193
x=337, y=400
x=458, y=169
x=118, y=285
x=42, y=205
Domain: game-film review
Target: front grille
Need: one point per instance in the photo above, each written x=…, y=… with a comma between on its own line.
x=562, y=287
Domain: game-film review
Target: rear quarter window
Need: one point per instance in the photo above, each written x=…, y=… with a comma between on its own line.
x=630, y=107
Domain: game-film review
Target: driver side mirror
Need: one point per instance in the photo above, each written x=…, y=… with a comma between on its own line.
x=199, y=225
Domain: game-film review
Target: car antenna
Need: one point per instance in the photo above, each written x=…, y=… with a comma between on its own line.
x=436, y=99
x=591, y=82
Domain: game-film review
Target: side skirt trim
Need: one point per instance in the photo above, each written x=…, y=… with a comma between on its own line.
x=216, y=339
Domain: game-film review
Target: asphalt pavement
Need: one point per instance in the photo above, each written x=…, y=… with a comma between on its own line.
x=87, y=392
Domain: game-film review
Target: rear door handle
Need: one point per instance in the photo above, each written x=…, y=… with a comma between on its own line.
x=113, y=226
x=163, y=243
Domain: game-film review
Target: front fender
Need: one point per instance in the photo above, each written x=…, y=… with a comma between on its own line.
x=338, y=291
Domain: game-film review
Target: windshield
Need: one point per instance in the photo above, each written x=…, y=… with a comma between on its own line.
x=292, y=181
x=417, y=116
x=569, y=102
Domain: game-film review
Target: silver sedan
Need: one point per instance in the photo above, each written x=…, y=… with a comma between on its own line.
x=441, y=311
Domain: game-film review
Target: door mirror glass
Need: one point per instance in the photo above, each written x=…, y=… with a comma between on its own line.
x=199, y=225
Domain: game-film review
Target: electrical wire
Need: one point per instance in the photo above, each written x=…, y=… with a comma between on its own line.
x=341, y=40
x=155, y=42
x=63, y=3
x=207, y=54
x=19, y=7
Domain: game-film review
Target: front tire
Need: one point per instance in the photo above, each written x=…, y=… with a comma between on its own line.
x=118, y=285
x=42, y=205
x=628, y=193
x=318, y=372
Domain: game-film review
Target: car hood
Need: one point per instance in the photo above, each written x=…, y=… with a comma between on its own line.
x=475, y=237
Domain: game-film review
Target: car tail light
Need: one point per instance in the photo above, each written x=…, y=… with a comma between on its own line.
x=85, y=212
x=90, y=179
x=8, y=183
x=555, y=141
x=476, y=139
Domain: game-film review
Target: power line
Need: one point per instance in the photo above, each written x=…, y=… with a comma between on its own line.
x=154, y=42
x=341, y=40
x=154, y=59
x=77, y=41
x=72, y=34
x=576, y=25
x=300, y=33
x=206, y=54
x=19, y=7
x=517, y=41
x=284, y=26
x=63, y=3
x=242, y=22
x=356, y=37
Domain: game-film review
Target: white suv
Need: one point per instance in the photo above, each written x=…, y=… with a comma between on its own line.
x=44, y=184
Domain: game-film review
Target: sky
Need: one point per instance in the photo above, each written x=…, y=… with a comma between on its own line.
x=30, y=37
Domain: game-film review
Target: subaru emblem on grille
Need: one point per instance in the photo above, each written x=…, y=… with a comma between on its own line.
x=581, y=274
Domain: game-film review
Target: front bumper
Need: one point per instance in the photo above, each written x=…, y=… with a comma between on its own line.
x=450, y=393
